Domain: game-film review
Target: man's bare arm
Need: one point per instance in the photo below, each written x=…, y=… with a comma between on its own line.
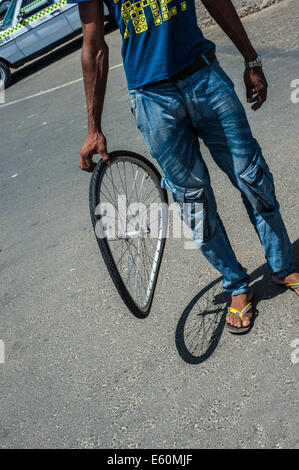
x=225, y=14
x=95, y=70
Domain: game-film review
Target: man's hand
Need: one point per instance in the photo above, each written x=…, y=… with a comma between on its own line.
x=225, y=14
x=256, y=87
x=95, y=143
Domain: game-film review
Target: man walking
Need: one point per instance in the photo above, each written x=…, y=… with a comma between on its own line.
x=180, y=94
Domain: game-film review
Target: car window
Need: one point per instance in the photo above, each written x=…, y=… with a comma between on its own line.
x=30, y=7
x=9, y=15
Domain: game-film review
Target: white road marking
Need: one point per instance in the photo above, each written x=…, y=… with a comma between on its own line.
x=51, y=89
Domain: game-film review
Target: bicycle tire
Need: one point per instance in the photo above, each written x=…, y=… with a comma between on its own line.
x=95, y=182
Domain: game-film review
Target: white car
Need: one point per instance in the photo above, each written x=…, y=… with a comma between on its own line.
x=31, y=28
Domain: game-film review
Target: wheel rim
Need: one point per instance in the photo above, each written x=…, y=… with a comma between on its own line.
x=132, y=220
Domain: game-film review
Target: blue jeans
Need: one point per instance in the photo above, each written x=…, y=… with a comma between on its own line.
x=172, y=117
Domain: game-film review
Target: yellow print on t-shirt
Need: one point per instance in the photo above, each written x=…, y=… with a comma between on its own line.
x=135, y=13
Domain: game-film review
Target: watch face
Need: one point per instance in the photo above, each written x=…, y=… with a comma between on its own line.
x=258, y=63
x=255, y=63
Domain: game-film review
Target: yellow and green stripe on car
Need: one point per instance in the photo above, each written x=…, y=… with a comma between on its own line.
x=32, y=18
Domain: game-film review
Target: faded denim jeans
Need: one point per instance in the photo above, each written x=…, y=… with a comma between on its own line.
x=172, y=118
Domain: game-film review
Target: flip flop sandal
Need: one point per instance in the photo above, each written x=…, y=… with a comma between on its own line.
x=243, y=329
x=292, y=286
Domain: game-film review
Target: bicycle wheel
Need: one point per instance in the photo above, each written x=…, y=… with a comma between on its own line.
x=128, y=210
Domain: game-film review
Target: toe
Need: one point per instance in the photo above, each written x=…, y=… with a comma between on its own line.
x=247, y=319
x=233, y=320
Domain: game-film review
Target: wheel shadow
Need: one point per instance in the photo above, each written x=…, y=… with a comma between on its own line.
x=57, y=54
x=202, y=322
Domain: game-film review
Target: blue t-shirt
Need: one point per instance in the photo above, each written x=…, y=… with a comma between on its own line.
x=160, y=37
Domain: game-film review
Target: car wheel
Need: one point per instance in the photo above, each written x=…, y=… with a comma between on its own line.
x=5, y=75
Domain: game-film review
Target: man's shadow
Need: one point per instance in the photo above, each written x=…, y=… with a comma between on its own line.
x=202, y=322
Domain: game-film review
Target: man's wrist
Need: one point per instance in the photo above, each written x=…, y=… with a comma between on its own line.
x=249, y=53
x=256, y=62
x=94, y=128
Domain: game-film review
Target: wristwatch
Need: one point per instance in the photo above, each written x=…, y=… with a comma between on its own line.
x=254, y=63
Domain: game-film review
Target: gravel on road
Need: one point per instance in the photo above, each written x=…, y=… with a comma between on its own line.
x=244, y=8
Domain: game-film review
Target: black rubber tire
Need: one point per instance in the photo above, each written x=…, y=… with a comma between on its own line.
x=7, y=74
x=102, y=242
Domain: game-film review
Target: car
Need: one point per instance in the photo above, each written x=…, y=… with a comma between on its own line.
x=31, y=28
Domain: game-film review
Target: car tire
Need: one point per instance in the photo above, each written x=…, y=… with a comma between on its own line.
x=5, y=74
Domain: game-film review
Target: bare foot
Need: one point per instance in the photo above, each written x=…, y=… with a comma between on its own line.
x=292, y=278
x=239, y=302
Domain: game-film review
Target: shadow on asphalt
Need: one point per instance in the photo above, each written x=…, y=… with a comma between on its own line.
x=203, y=320
x=54, y=56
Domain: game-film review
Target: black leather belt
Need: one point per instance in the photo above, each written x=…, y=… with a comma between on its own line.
x=198, y=64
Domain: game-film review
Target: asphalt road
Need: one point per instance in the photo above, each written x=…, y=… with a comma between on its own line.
x=80, y=370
